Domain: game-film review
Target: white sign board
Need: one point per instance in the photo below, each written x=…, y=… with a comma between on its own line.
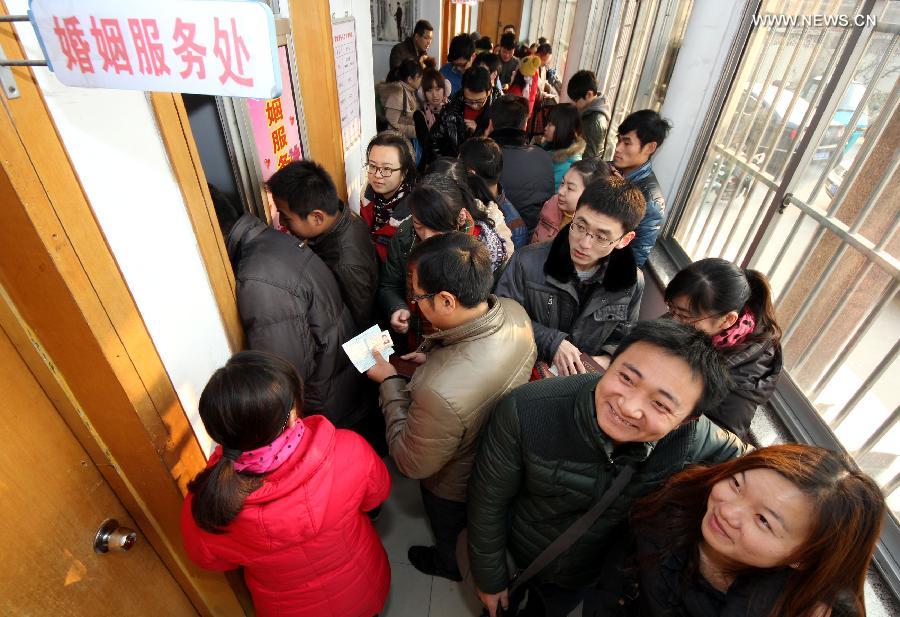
x=346, y=69
x=218, y=47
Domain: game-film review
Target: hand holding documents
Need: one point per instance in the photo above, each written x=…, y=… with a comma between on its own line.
x=359, y=349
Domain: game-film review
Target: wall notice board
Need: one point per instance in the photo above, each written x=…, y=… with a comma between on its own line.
x=347, y=72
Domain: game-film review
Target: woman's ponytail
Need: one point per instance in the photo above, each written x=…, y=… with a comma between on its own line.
x=219, y=494
x=760, y=303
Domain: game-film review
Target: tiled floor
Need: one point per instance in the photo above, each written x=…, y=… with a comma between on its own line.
x=402, y=524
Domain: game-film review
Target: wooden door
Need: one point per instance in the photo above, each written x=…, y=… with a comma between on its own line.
x=494, y=14
x=52, y=500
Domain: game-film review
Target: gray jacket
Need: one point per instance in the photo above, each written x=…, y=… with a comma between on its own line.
x=541, y=278
x=290, y=305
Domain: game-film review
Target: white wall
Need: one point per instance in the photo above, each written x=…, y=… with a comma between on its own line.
x=706, y=44
x=115, y=147
x=353, y=158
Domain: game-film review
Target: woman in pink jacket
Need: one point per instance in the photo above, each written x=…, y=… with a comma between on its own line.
x=286, y=497
x=559, y=209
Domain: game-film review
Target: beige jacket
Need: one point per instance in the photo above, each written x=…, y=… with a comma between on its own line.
x=434, y=420
x=400, y=103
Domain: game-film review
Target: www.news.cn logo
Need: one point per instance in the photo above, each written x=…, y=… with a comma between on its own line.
x=778, y=20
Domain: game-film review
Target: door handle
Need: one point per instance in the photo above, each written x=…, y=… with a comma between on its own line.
x=111, y=537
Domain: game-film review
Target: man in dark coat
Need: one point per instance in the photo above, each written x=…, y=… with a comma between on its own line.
x=552, y=448
x=527, y=175
x=639, y=136
x=582, y=290
x=308, y=206
x=414, y=47
x=290, y=305
x=465, y=115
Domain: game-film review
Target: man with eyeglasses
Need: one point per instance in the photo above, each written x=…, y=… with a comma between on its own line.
x=465, y=115
x=482, y=348
x=582, y=289
x=460, y=54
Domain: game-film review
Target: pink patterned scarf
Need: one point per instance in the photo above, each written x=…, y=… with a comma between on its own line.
x=270, y=457
x=736, y=334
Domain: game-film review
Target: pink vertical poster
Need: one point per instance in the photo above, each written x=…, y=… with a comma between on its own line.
x=275, y=125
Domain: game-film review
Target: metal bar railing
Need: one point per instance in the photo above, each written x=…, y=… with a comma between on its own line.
x=863, y=389
x=878, y=434
x=886, y=261
x=863, y=327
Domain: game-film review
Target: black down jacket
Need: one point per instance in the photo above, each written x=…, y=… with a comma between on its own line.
x=449, y=131
x=543, y=462
x=541, y=278
x=754, y=369
x=290, y=305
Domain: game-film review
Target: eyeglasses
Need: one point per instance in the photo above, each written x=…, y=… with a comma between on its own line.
x=676, y=314
x=475, y=104
x=375, y=170
x=579, y=229
x=418, y=298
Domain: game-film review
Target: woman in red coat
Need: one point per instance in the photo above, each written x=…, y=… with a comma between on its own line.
x=286, y=498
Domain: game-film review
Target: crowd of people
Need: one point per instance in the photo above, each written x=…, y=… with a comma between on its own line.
x=567, y=452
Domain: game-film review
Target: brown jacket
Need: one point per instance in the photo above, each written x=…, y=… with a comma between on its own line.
x=400, y=103
x=433, y=421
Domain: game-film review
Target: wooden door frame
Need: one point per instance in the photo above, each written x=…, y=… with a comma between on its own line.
x=86, y=340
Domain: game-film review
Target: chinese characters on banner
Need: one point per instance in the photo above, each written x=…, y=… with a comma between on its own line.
x=347, y=73
x=217, y=47
x=275, y=125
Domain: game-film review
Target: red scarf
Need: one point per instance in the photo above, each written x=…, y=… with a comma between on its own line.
x=736, y=334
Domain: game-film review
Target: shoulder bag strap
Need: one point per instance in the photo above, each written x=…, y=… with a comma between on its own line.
x=567, y=538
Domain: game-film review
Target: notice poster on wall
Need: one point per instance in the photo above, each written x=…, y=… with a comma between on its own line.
x=275, y=125
x=347, y=73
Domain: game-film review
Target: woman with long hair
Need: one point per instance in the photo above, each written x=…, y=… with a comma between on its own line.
x=784, y=531
x=733, y=306
x=391, y=171
x=562, y=138
x=438, y=205
x=560, y=208
x=286, y=497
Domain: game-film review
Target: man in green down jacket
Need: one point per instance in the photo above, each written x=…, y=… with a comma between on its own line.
x=482, y=349
x=553, y=447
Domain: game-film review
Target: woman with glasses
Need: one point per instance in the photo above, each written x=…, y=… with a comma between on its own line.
x=286, y=497
x=391, y=171
x=733, y=306
x=438, y=206
x=784, y=531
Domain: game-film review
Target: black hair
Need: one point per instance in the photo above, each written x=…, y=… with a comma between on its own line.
x=456, y=263
x=692, y=346
x=521, y=51
x=404, y=149
x=422, y=26
x=716, y=286
x=477, y=79
x=451, y=178
x=226, y=213
x=509, y=111
x=544, y=48
x=483, y=156
x=305, y=186
x=581, y=83
x=432, y=209
x=508, y=41
x=616, y=198
x=244, y=406
x=648, y=125
x=510, y=26
x=432, y=78
x=484, y=43
x=566, y=120
x=489, y=61
x=461, y=46
x=591, y=169
x=406, y=69
x=542, y=40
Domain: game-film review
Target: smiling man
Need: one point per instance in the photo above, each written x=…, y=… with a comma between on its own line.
x=553, y=447
x=582, y=289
